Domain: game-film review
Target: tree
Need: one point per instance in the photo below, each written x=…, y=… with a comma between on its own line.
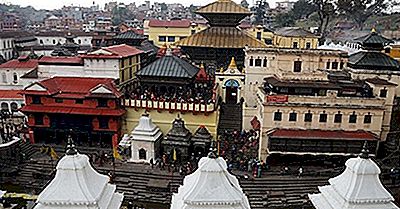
x=326, y=11
x=260, y=11
x=244, y=4
x=163, y=6
x=303, y=9
x=120, y=14
x=285, y=20
x=360, y=10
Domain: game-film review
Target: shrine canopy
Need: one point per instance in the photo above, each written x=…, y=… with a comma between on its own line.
x=358, y=187
x=77, y=185
x=211, y=186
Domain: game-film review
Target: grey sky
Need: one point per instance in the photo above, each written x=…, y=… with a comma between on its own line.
x=54, y=4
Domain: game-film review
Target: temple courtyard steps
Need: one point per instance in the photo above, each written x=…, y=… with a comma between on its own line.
x=230, y=118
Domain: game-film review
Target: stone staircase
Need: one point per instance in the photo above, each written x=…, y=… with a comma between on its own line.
x=230, y=117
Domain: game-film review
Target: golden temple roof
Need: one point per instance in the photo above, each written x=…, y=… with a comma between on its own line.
x=223, y=6
x=221, y=37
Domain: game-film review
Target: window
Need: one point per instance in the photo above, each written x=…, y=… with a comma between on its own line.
x=4, y=106
x=15, y=78
x=328, y=65
x=258, y=62
x=353, y=118
x=79, y=41
x=308, y=45
x=14, y=107
x=277, y=116
x=323, y=117
x=38, y=120
x=59, y=100
x=341, y=65
x=268, y=41
x=367, y=119
x=103, y=123
x=171, y=38
x=142, y=154
x=259, y=35
x=292, y=116
x=295, y=45
x=297, y=66
x=4, y=77
x=36, y=100
x=162, y=38
x=335, y=65
x=383, y=93
x=54, y=41
x=251, y=61
x=193, y=32
x=41, y=42
x=338, y=118
x=265, y=62
x=308, y=117
x=102, y=103
x=78, y=101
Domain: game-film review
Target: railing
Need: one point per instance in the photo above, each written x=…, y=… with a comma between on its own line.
x=175, y=106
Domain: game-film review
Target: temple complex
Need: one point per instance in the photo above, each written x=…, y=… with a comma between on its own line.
x=358, y=187
x=216, y=45
x=211, y=186
x=78, y=185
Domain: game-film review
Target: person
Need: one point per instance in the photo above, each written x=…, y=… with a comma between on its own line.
x=393, y=175
x=300, y=171
x=152, y=163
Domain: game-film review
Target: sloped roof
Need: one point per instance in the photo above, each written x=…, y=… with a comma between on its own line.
x=221, y=37
x=60, y=60
x=323, y=134
x=223, y=6
x=170, y=23
x=16, y=63
x=169, y=66
x=294, y=32
x=373, y=38
x=129, y=35
x=114, y=52
x=372, y=60
x=11, y=94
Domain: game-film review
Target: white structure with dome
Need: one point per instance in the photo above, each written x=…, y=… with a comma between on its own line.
x=358, y=187
x=78, y=186
x=145, y=140
x=211, y=186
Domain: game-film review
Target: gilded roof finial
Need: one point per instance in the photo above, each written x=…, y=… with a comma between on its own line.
x=232, y=65
x=221, y=70
x=373, y=30
x=70, y=149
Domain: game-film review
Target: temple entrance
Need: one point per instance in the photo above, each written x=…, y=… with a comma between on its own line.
x=231, y=91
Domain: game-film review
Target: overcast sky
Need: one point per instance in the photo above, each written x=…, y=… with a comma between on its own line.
x=55, y=4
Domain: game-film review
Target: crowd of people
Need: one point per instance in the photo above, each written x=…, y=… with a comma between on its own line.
x=195, y=94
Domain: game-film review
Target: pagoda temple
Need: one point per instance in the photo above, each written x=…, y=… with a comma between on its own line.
x=201, y=141
x=211, y=186
x=77, y=185
x=176, y=143
x=223, y=39
x=358, y=187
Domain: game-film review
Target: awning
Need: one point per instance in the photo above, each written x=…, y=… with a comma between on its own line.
x=72, y=110
x=317, y=134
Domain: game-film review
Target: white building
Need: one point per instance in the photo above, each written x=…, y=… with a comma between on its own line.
x=211, y=186
x=145, y=140
x=12, y=71
x=77, y=185
x=358, y=187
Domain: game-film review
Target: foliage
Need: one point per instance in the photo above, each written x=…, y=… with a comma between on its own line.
x=326, y=11
x=244, y=4
x=260, y=11
x=301, y=9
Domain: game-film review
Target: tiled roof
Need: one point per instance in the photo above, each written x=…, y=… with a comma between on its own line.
x=223, y=6
x=14, y=34
x=118, y=51
x=380, y=81
x=294, y=32
x=72, y=110
x=60, y=60
x=373, y=38
x=170, y=23
x=15, y=63
x=221, y=37
x=323, y=134
x=301, y=83
x=129, y=35
x=11, y=94
x=169, y=66
x=75, y=87
x=372, y=60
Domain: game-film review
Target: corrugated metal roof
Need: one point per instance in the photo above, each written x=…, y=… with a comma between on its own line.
x=373, y=38
x=169, y=66
x=170, y=23
x=72, y=110
x=372, y=60
x=223, y=6
x=129, y=35
x=323, y=134
x=294, y=32
x=11, y=94
x=221, y=37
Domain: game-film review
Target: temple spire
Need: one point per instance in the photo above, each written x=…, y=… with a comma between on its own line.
x=213, y=150
x=70, y=149
x=232, y=64
x=365, y=151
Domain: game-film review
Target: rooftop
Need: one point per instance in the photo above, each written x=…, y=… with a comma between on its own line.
x=170, y=23
x=20, y=64
x=224, y=7
x=373, y=38
x=295, y=32
x=11, y=94
x=316, y=134
x=116, y=51
x=52, y=60
x=373, y=60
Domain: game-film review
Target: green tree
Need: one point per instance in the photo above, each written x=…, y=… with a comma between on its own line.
x=360, y=10
x=285, y=20
x=244, y=4
x=303, y=9
x=326, y=11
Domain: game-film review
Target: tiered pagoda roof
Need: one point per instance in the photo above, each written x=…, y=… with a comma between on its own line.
x=77, y=185
x=146, y=130
x=358, y=187
x=202, y=136
x=211, y=186
x=223, y=7
x=178, y=134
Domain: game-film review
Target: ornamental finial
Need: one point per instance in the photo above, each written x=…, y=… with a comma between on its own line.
x=365, y=151
x=70, y=149
x=213, y=150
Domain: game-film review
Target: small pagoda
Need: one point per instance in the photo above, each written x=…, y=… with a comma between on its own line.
x=177, y=142
x=78, y=185
x=358, y=187
x=223, y=39
x=211, y=186
x=201, y=141
x=145, y=140
x=69, y=48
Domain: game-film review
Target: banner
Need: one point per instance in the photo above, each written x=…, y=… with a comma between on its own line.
x=277, y=98
x=115, y=147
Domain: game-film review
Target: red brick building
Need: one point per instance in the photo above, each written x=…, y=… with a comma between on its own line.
x=90, y=107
